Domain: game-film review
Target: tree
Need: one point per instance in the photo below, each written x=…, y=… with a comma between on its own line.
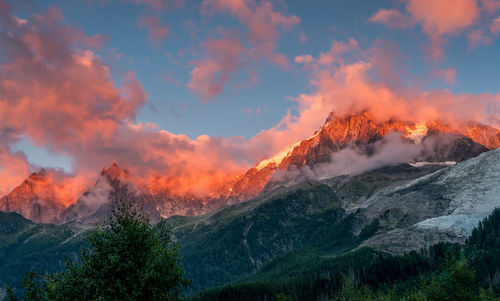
x=126, y=259
x=456, y=282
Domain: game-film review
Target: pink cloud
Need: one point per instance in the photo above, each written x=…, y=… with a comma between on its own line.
x=495, y=26
x=333, y=55
x=58, y=93
x=157, y=32
x=302, y=37
x=225, y=56
x=367, y=81
x=438, y=19
x=250, y=111
x=263, y=25
x=448, y=75
x=444, y=16
x=477, y=38
x=160, y=4
x=392, y=18
x=490, y=6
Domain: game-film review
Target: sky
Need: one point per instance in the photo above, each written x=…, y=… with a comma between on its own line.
x=187, y=93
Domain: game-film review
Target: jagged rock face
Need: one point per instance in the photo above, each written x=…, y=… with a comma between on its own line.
x=482, y=134
x=441, y=147
x=251, y=183
x=35, y=199
x=439, y=143
x=357, y=130
x=115, y=183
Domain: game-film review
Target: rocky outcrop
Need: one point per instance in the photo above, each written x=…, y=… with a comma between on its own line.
x=35, y=199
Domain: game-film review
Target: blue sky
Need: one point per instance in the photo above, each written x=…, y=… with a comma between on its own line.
x=175, y=108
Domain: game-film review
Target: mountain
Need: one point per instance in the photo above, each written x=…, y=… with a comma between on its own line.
x=480, y=133
x=360, y=134
x=36, y=199
x=439, y=143
x=115, y=183
x=443, y=206
x=393, y=209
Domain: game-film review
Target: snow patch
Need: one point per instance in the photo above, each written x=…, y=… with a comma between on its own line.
x=423, y=163
x=277, y=159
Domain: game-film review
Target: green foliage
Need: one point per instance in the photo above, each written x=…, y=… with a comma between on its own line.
x=126, y=259
x=483, y=250
x=283, y=297
x=456, y=282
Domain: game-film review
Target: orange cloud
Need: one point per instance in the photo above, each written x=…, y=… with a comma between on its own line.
x=55, y=91
x=263, y=25
x=444, y=16
x=357, y=86
x=438, y=19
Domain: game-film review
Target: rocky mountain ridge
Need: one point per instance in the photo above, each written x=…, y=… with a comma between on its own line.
x=36, y=199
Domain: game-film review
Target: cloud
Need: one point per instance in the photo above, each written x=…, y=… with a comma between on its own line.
x=495, y=26
x=477, y=38
x=250, y=111
x=157, y=32
x=444, y=16
x=439, y=19
x=358, y=86
x=448, y=75
x=392, y=18
x=159, y=4
x=491, y=6
x=263, y=28
x=225, y=56
x=57, y=92
x=333, y=56
x=302, y=37
x=347, y=82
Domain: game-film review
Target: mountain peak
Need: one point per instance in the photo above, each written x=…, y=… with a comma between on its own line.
x=36, y=198
x=37, y=175
x=114, y=172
